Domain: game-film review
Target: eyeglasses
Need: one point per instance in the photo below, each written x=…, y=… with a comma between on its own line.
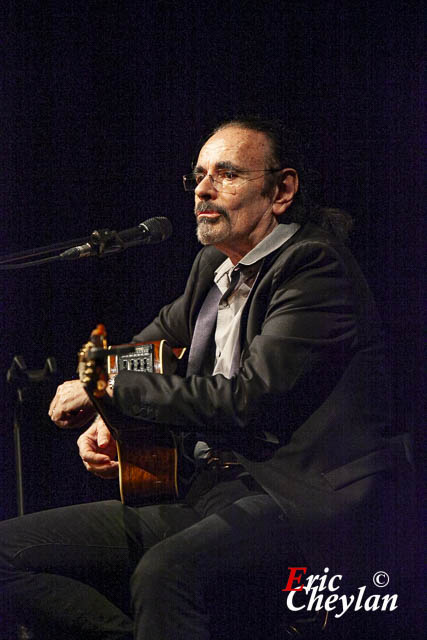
x=223, y=180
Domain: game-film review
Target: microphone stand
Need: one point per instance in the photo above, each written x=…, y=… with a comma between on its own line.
x=21, y=377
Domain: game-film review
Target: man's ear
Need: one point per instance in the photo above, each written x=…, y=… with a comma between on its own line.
x=285, y=191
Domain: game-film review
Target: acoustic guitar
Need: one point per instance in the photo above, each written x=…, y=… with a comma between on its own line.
x=147, y=454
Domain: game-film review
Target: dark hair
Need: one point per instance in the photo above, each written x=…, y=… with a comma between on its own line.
x=289, y=150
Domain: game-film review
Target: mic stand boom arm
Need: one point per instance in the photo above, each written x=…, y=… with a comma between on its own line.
x=100, y=243
x=99, y=240
x=41, y=251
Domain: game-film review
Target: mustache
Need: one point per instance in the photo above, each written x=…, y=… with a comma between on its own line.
x=207, y=206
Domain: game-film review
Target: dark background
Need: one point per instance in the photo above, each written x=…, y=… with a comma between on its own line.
x=103, y=106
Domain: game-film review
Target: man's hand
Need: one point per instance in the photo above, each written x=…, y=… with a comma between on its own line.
x=71, y=407
x=98, y=449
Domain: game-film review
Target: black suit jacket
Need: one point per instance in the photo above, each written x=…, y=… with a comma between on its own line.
x=312, y=374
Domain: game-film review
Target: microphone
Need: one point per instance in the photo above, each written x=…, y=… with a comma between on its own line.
x=106, y=242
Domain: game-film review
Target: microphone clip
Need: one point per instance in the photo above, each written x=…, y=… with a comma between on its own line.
x=103, y=239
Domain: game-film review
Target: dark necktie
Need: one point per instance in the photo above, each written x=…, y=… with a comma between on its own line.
x=203, y=333
x=203, y=330
x=205, y=324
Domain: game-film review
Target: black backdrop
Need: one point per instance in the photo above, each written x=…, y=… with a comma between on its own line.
x=103, y=105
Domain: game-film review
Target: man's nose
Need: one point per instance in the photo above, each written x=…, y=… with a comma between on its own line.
x=205, y=190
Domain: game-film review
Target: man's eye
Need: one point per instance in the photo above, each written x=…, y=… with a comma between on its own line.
x=198, y=177
x=228, y=175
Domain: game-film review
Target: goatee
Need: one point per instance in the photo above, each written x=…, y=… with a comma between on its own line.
x=212, y=230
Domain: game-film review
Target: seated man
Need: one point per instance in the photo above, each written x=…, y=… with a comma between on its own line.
x=284, y=380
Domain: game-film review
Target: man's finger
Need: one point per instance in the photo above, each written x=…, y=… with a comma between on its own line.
x=71, y=420
x=103, y=471
x=95, y=458
x=104, y=436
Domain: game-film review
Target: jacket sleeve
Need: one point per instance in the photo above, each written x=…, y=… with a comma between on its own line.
x=307, y=334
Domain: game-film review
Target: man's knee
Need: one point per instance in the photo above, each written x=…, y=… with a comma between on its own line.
x=162, y=569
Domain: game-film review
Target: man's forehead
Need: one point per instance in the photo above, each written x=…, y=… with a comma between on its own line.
x=243, y=147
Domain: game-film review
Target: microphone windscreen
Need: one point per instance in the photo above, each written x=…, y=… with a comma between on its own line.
x=159, y=229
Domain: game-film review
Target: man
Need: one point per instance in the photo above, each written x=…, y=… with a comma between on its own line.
x=284, y=395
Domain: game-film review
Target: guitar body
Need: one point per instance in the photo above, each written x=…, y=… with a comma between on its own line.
x=147, y=471
x=147, y=454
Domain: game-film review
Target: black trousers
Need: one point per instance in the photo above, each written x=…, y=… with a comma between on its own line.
x=172, y=571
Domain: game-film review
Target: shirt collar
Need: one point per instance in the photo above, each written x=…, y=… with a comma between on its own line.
x=270, y=243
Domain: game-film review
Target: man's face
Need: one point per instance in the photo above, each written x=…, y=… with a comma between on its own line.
x=234, y=223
